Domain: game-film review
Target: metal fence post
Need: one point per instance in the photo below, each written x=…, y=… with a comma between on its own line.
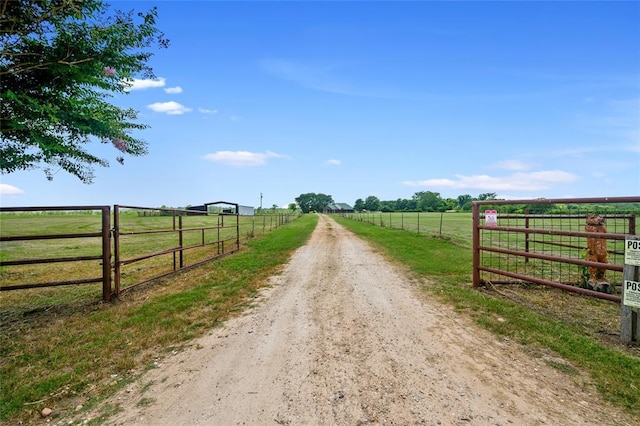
x=181, y=241
x=237, y=230
x=526, y=235
x=175, y=265
x=116, y=250
x=106, y=253
x=476, y=245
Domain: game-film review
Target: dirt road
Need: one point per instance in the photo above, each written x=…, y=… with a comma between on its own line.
x=342, y=337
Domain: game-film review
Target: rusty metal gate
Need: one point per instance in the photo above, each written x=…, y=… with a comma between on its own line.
x=97, y=237
x=545, y=241
x=151, y=243
x=144, y=244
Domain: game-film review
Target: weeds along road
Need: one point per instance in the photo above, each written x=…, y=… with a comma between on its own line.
x=342, y=337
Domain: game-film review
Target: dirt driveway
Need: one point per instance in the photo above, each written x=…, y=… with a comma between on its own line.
x=342, y=337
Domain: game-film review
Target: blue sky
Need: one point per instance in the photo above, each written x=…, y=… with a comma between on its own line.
x=351, y=99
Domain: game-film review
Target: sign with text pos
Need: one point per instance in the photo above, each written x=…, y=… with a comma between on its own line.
x=631, y=286
x=632, y=251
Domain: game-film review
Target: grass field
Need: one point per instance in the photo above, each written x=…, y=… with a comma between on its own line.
x=458, y=227
x=66, y=352
x=202, y=237
x=453, y=225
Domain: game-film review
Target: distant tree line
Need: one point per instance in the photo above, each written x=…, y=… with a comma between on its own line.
x=428, y=201
x=423, y=201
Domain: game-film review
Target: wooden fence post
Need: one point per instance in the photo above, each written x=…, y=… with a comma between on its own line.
x=629, y=330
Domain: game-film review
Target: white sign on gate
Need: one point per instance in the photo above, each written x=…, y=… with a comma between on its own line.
x=632, y=293
x=631, y=288
x=632, y=251
x=491, y=218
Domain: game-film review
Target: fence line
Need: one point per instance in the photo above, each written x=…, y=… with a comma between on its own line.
x=176, y=241
x=453, y=224
x=132, y=250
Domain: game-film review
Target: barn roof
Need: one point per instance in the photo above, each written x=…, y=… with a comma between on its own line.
x=338, y=206
x=343, y=206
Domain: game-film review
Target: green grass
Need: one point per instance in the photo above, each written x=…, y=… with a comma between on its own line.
x=202, y=230
x=454, y=225
x=458, y=227
x=447, y=267
x=86, y=350
x=65, y=352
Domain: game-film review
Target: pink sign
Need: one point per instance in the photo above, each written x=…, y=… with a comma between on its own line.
x=491, y=218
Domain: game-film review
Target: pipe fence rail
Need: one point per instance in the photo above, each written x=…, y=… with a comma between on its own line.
x=120, y=248
x=18, y=242
x=551, y=249
x=151, y=243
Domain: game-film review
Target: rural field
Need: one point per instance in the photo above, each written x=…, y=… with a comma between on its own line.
x=310, y=324
x=142, y=232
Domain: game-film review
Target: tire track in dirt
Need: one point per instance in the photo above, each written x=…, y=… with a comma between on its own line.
x=342, y=337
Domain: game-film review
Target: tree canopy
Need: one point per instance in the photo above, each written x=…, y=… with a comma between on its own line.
x=60, y=60
x=423, y=201
x=313, y=202
x=372, y=203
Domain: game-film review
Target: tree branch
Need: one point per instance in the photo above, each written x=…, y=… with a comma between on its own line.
x=19, y=69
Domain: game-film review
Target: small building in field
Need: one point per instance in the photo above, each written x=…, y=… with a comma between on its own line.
x=246, y=211
x=337, y=208
x=223, y=207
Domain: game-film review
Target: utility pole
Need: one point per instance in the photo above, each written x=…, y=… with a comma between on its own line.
x=261, y=201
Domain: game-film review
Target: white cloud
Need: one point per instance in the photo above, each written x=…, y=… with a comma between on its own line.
x=171, y=108
x=207, y=111
x=242, y=158
x=141, y=84
x=173, y=90
x=533, y=181
x=333, y=162
x=10, y=190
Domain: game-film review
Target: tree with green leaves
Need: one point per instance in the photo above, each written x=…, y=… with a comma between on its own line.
x=429, y=201
x=313, y=202
x=487, y=196
x=372, y=203
x=464, y=202
x=60, y=61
